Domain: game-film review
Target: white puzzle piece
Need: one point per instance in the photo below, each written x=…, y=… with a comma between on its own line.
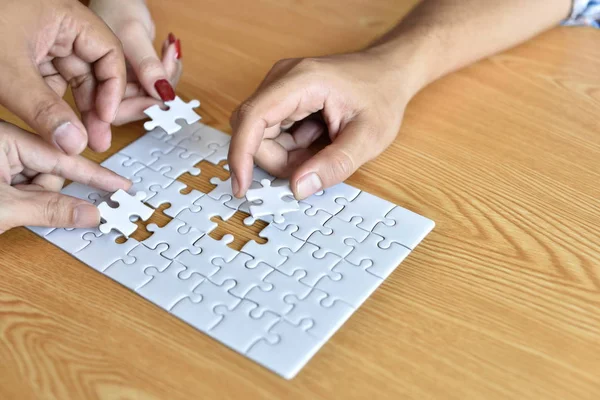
x=130, y=271
x=334, y=240
x=119, y=218
x=103, y=250
x=405, y=227
x=176, y=163
x=172, y=238
x=218, y=154
x=144, y=150
x=325, y=200
x=245, y=278
x=312, y=267
x=365, y=208
x=123, y=165
x=166, y=119
x=83, y=192
x=209, y=208
x=150, y=182
x=71, y=240
x=382, y=261
x=305, y=224
x=209, y=251
x=168, y=287
x=273, y=202
x=269, y=252
x=279, y=287
x=177, y=200
x=223, y=190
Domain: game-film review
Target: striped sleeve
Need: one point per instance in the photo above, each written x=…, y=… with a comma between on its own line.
x=585, y=12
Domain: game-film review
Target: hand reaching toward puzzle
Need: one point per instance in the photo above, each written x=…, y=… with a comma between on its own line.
x=359, y=98
x=31, y=174
x=51, y=44
x=150, y=79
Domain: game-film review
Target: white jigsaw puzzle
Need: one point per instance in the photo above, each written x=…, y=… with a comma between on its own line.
x=167, y=119
x=277, y=302
x=120, y=218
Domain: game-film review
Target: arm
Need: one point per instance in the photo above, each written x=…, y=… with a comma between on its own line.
x=361, y=96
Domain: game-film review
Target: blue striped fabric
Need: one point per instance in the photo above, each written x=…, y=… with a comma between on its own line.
x=585, y=12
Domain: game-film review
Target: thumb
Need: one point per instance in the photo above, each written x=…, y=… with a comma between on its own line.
x=27, y=95
x=356, y=144
x=41, y=208
x=148, y=68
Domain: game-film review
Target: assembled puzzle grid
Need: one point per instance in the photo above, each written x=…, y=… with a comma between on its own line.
x=277, y=303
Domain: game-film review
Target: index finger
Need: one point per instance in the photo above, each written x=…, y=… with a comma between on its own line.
x=281, y=100
x=96, y=44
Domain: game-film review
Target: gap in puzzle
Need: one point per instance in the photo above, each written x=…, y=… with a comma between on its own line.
x=277, y=290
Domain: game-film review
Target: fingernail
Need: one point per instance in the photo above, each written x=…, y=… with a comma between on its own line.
x=308, y=185
x=235, y=186
x=171, y=38
x=69, y=138
x=165, y=90
x=178, y=49
x=86, y=215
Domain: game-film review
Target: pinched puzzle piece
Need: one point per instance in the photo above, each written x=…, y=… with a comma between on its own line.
x=168, y=287
x=326, y=315
x=353, y=285
x=176, y=163
x=166, y=119
x=240, y=328
x=177, y=200
x=210, y=250
x=365, y=208
x=199, y=310
x=273, y=203
x=119, y=218
x=382, y=261
x=326, y=199
x=209, y=208
x=269, y=252
x=129, y=271
x=405, y=227
x=173, y=238
x=245, y=278
x=293, y=349
x=312, y=267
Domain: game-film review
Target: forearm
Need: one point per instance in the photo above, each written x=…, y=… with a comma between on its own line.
x=441, y=36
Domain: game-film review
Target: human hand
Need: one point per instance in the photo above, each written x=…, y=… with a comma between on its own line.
x=32, y=173
x=48, y=45
x=149, y=79
x=360, y=98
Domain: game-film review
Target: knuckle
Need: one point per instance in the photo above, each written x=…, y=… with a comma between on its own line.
x=341, y=164
x=46, y=109
x=130, y=28
x=55, y=212
x=150, y=66
x=245, y=109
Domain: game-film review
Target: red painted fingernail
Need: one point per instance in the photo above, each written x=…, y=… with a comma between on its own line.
x=165, y=90
x=178, y=49
x=171, y=38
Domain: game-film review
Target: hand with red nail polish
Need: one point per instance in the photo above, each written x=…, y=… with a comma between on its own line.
x=47, y=46
x=32, y=172
x=151, y=79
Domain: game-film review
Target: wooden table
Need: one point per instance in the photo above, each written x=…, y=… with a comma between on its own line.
x=501, y=301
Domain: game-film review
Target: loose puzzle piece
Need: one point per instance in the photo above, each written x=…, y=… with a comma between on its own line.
x=334, y=240
x=177, y=200
x=273, y=298
x=129, y=271
x=123, y=165
x=269, y=252
x=326, y=199
x=168, y=287
x=382, y=261
x=199, y=310
x=150, y=182
x=245, y=278
x=209, y=251
x=273, y=202
x=209, y=208
x=304, y=224
x=312, y=268
x=119, y=218
x=405, y=227
x=366, y=208
x=173, y=238
x=144, y=150
x=239, y=329
x=166, y=119
x=176, y=163
x=103, y=250
x=325, y=315
x=292, y=351
x=353, y=285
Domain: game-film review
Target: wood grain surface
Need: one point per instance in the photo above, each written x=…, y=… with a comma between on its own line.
x=501, y=301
